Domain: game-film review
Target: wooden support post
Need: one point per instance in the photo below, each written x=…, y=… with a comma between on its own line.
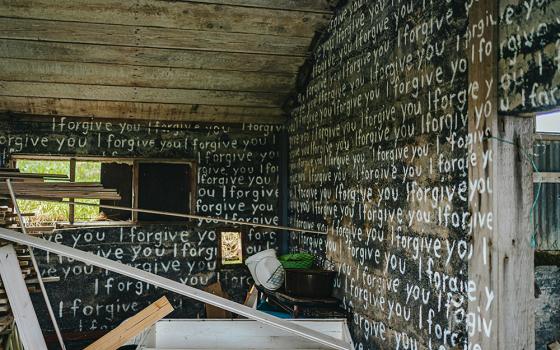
x=133, y=326
x=72, y=207
x=135, y=189
x=20, y=301
x=500, y=195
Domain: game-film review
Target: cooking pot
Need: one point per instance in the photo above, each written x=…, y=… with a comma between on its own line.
x=309, y=283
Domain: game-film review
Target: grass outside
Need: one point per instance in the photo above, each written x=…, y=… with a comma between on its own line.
x=48, y=212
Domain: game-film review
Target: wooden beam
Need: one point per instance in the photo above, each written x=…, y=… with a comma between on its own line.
x=155, y=57
x=501, y=266
x=20, y=301
x=175, y=287
x=512, y=257
x=215, y=18
x=139, y=36
x=133, y=326
x=547, y=137
x=156, y=77
x=42, y=107
x=140, y=94
x=72, y=176
x=321, y=6
x=549, y=177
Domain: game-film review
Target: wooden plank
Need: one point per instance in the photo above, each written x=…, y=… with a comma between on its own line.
x=140, y=94
x=141, y=56
x=514, y=255
x=481, y=271
x=133, y=325
x=167, y=14
x=501, y=266
x=547, y=137
x=20, y=301
x=550, y=177
x=110, y=34
x=175, y=287
x=157, y=77
x=321, y=6
x=135, y=189
x=45, y=107
x=15, y=175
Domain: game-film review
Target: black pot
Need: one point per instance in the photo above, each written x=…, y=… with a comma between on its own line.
x=309, y=283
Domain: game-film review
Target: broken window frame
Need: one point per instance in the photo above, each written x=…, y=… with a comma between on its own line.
x=134, y=162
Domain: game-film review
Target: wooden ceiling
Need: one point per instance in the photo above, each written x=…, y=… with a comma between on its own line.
x=203, y=60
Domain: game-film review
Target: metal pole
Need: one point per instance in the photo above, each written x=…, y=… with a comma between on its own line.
x=36, y=267
x=188, y=216
x=177, y=287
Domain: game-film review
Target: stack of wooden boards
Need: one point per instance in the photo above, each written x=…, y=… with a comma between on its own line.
x=51, y=186
x=8, y=217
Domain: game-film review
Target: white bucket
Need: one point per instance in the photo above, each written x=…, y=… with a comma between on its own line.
x=263, y=266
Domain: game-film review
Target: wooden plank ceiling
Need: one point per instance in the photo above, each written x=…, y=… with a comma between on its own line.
x=200, y=60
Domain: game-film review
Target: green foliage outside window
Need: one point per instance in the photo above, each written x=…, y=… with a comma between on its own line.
x=49, y=212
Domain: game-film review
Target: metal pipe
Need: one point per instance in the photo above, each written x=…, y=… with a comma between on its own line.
x=188, y=216
x=176, y=287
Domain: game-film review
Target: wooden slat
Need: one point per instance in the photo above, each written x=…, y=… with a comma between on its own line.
x=74, y=32
x=158, y=77
x=20, y=301
x=88, y=185
x=547, y=137
x=546, y=177
x=134, y=94
x=15, y=175
x=168, y=14
x=133, y=326
x=141, y=56
x=142, y=111
x=321, y=6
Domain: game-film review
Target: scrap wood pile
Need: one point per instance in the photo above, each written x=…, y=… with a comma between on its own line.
x=8, y=219
x=36, y=187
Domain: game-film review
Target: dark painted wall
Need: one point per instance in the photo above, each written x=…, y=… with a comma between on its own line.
x=529, y=56
x=377, y=158
x=238, y=178
x=547, y=317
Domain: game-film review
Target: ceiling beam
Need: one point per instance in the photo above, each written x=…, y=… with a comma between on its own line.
x=142, y=56
x=320, y=6
x=140, y=36
x=171, y=14
x=157, y=77
x=48, y=107
x=141, y=94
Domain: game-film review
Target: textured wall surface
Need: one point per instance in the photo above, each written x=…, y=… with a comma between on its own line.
x=547, y=316
x=237, y=178
x=378, y=159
